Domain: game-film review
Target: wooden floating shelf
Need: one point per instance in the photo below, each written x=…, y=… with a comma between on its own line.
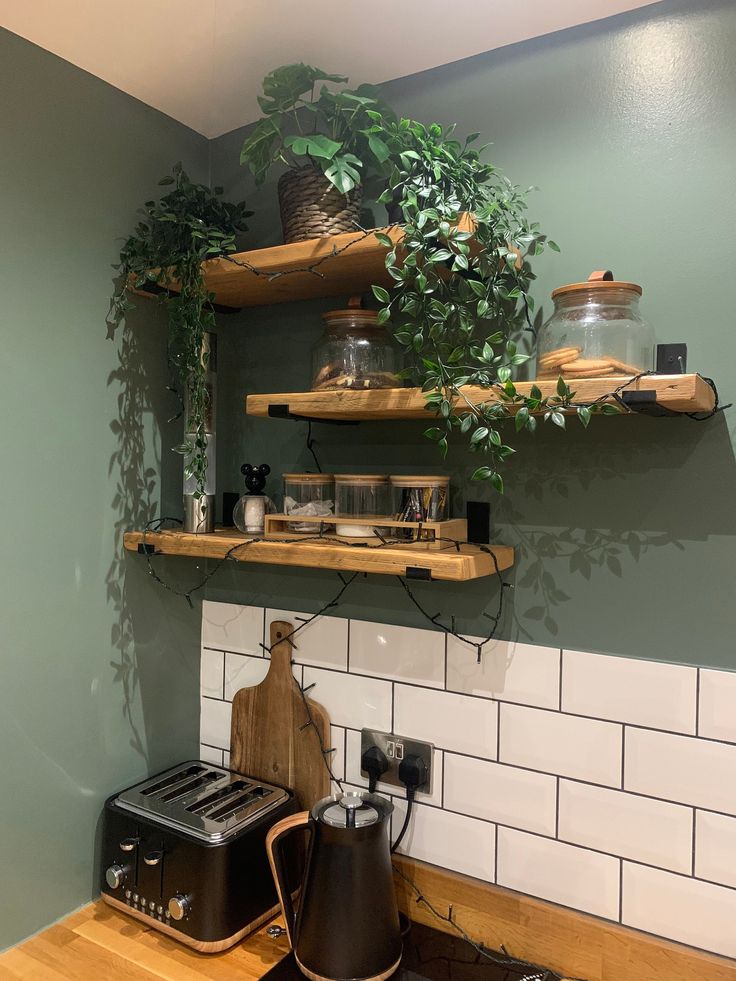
x=678, y=393
x=393, y=560
x=354, y=270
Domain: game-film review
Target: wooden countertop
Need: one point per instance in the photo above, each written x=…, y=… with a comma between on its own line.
x=98, y=944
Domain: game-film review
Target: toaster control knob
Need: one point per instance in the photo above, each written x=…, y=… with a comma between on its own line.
x=179, y=907
x=115, y=876
x=128, y=844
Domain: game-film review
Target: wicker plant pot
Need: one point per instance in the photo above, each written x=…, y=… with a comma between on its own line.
x=312, y=207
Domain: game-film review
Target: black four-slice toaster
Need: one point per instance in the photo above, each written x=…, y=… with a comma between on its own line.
x=185, y=852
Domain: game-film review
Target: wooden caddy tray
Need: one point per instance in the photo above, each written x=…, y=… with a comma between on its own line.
x=426, y=534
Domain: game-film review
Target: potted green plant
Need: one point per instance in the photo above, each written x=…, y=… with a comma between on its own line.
x=175, y=235
x=460, y=301
x=323, y=139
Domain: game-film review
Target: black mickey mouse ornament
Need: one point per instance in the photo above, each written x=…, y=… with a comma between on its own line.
x=255, y=477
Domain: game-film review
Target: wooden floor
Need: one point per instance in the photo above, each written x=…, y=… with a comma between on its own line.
x=98, y=944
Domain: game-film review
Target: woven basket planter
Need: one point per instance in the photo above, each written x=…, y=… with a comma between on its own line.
x=312, y=207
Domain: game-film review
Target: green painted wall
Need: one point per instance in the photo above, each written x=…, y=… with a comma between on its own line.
x=99, y=671
x=626, y=531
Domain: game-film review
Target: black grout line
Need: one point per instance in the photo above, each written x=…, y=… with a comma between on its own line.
x=445, y=681
x=557, y=808
x=393, y=705
x=560, y=692
x=623, y=756
x=224, y=662
x=263, y=633
x=442, y=788
x=621, y=891
x=495, y=856
x=697, y=703
x=498, y=730
x=695, y=820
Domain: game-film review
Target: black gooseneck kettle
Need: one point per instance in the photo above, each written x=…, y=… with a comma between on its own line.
x=347, y=924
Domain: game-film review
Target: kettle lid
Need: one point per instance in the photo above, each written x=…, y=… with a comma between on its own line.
x=354, y=809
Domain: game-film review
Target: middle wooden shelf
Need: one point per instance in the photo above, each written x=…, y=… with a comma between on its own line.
x=678, y=393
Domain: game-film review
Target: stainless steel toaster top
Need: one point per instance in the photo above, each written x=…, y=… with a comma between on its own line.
x=206, y=801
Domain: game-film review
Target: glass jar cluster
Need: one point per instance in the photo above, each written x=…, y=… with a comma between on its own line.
x=359, y=498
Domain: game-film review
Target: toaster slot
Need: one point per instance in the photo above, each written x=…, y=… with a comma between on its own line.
x=186, y=788
x=218, y=797
x=171, y=780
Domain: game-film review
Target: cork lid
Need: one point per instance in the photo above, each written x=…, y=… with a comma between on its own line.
x=360, y=478
x=355, y=311
x=599, y=279
x=309, y=478
x=419, y=481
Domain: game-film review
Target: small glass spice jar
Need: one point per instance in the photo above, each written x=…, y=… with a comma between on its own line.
x=308, y=495
x=595, y=331
x=356, y=352
x=419, y=498
x=358, y=496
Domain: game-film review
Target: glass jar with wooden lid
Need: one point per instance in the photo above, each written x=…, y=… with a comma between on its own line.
x=595, y=331
x=360, y=496
x=308, y=495
x=418, y=498
x=355, y=352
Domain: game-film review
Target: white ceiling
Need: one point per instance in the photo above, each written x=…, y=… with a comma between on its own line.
x=202, y=61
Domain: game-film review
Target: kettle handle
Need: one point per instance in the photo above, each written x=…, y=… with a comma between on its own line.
x=274, y=842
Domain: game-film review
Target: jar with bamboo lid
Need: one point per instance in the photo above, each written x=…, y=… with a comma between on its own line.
x=355, y=352
x=308, y=495
x=595, y=331
x=418, y=498
x=360, y=496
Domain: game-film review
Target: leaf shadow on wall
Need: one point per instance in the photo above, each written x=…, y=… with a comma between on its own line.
x=630, y=497
x=141, y=478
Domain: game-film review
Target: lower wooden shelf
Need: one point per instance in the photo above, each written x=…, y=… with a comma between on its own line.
x=677, y=393
x=470, y=562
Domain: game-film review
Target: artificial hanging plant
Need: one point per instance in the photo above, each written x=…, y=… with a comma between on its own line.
x=460, y=300
x=175, y=235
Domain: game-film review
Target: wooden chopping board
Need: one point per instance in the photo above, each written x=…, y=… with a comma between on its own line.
x=271, y=738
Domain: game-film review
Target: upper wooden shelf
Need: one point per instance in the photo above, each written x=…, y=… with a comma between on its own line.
x=678, y=393
x=470, y=562
x=348, y=263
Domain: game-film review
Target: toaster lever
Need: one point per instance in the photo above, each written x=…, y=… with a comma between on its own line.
x=128, y=844
x=153, y=858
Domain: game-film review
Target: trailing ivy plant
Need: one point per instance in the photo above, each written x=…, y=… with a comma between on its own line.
x=174, y=236
x=460, y=299
x=326, y=130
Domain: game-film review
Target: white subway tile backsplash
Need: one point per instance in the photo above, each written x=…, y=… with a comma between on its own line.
x=210, y=755
x=211, y=673
x=400, y=653
x=715, y=848
x=501, y=793
x=577, y=767
x=449, y=840
x=680, y=908
x=242, y=671
x=645, y=693
x=639, y=828
x=214, y=723
x=323, y=642
x=453, y=722
x=718, y=705
x=351, y=700
x=565, y=744
x=354, y=775
x=508, y=671
x=559, y=873
x=229, y=627
x=681, y=768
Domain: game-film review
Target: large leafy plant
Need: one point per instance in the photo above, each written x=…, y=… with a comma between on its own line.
x=460, y=300
x=174, y=236
x=326, y=130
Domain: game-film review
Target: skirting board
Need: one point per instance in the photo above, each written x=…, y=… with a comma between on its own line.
x=575, y=945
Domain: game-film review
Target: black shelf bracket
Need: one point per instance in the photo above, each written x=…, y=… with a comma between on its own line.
x=155, y=289
x=281, y=411
x=416, y=572
x=645, y=402
x=145, y=548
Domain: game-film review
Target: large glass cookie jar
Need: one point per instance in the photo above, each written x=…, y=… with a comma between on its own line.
x=596, y=330
x=355, y=352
